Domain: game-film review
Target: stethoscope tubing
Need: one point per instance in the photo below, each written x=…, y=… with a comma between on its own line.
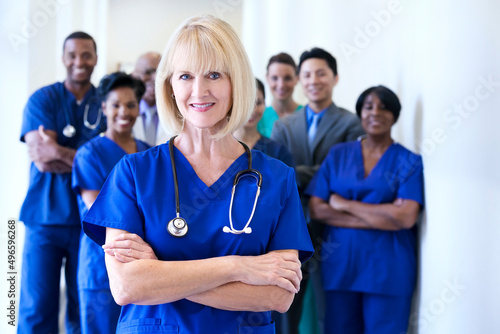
x=69, y=130
x=250, y=171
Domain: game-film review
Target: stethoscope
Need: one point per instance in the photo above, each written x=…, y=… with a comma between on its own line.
x=178, y=226
x=69, y=130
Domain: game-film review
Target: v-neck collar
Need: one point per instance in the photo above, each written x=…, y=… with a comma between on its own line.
x=214, y=190
x=121, y=148
x=361, y=167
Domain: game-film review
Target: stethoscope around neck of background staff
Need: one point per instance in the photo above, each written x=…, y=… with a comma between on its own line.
x=178, y=226
x=69, y=130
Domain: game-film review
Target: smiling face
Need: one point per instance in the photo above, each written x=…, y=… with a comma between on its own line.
x=121, y=109
x=79, y=58
x=282, y=80
x=318, y=80
x=203, y=98
x=375, y=118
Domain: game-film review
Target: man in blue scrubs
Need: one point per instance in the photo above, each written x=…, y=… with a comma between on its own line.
x=57, y=119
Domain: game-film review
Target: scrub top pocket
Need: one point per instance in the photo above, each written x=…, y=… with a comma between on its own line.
x=147, y=325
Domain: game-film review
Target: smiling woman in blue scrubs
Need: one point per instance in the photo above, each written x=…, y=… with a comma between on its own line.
x=369, y=193
x=93, y=162
x=212, y=279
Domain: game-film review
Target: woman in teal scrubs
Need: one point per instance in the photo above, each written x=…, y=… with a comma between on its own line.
x=369, y=193
x=93, y=162
x=282, y=78
x=236, y=261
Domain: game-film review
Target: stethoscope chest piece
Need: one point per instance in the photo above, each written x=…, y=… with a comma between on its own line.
x=69, y=131
x=177, y=227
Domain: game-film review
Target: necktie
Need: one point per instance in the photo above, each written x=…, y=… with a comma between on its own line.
x=313, y=128
x=150, y=124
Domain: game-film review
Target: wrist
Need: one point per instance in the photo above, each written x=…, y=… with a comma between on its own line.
x=233, y=265
x=66, y=154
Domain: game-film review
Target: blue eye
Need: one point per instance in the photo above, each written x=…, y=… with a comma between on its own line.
x=185, y=76
x=214, y=75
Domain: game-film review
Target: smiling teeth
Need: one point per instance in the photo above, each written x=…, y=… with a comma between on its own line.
x=122, y=121
x=202, y=105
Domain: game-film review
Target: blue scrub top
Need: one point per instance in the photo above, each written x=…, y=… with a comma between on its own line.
x=92, y=165
x=372, y=261
x=50, y=200
x=274, y=150
x=139, y=197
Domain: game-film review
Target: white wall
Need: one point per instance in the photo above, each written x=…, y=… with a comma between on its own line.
x=137, y=27
x=14, y=164
x=435, y=56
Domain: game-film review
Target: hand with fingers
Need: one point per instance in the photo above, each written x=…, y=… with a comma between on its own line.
x=42, y=150
x=275, y=268
x=128, y=247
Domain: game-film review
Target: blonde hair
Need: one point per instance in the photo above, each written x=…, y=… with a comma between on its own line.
x=206, y=43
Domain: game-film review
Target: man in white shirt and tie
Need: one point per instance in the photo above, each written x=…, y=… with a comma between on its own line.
x=147, y=126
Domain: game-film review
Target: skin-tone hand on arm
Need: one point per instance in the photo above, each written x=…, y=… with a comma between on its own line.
x=340, y=212
x=46, y=153
x=322, y=211
x=230, y=282
x=239, y=296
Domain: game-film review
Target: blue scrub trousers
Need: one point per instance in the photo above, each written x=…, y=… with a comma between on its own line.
x=45, y=247
x=99, y=313
x=351, y=312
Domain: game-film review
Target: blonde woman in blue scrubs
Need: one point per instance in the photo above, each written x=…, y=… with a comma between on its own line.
x=209, y=278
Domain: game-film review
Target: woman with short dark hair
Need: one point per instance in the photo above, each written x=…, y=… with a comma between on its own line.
x=369, y=194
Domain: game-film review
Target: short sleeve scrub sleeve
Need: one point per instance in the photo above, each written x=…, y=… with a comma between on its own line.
x=139, y=197
x=371, y=261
